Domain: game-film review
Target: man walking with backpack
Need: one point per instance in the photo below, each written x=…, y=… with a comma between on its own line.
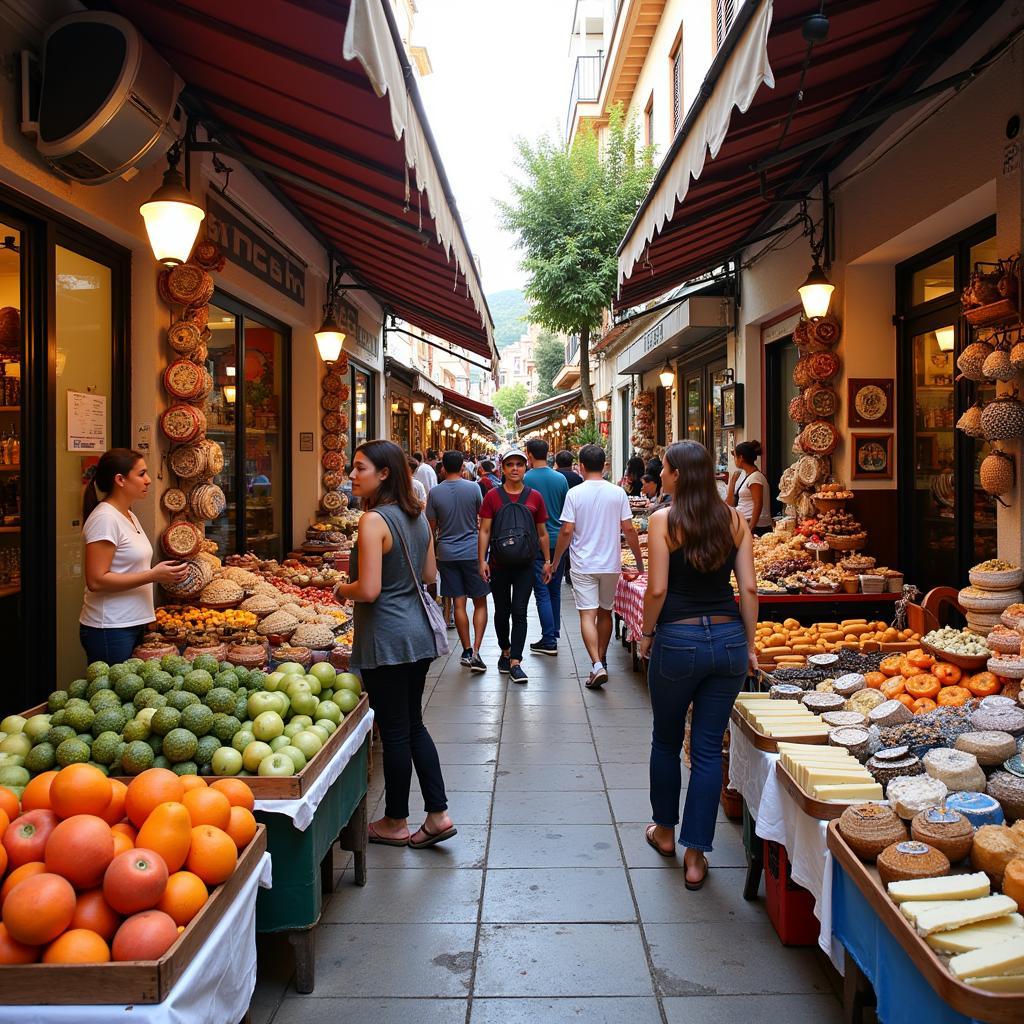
x=512, y=531
x=547, y=593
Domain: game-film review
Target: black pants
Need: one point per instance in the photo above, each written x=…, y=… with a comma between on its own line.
x=511, y=587
x=396, y=696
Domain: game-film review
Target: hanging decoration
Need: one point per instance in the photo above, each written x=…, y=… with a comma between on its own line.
x=643, y=424
x=335, y=396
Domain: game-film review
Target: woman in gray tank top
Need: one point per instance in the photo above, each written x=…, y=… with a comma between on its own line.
x=394, y=644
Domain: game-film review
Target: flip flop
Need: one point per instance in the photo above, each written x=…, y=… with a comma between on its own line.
x=373, y=836
x=649, y=836
x=695, y=886
x=433, y=838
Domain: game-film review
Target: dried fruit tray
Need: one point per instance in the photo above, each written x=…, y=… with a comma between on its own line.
x=133, y=981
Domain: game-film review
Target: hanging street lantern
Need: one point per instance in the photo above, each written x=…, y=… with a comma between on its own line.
x=171, y=215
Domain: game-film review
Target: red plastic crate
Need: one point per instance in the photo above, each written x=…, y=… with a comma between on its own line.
x=790, y=906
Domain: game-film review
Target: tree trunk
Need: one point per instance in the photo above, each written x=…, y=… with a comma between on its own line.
x=586, y=392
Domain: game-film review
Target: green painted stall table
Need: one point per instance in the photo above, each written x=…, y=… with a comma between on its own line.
x=303, y=824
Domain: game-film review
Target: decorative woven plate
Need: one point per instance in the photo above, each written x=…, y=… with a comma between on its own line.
x=330, y=402
x=798, y=410
x=181, y=539
x=344, y=420
x=208, y=255
x=331, y=501
x=207, y=501
x=341, y=366
x=331, y=480
x=189, y=285
x=182, y=423
x=819, y=438
x=198, y=575
x=331, y=422
x=184, y=336
x=333, y=442
x=822, y=366
x=174, y=500
x=205, y=387
x=214, y=457
x=802, y=373
x=824, y=330
x=788, y=485
x=183, y=380
x=332, y=460
x=345, y=393
x=800, y=336
x=189, y=460
x=199, y=314
x=821, y=401
x=331, y=384
x=809, y=470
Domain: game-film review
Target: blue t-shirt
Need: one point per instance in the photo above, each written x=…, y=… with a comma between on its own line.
x=553, y=488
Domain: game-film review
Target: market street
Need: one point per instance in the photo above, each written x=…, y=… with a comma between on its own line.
x=548, y=905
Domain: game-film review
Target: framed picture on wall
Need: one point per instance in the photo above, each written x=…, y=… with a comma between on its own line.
x=870, y=402
x=732, y=406
x=871, y=456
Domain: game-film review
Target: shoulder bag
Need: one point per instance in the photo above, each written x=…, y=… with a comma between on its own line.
x=435, y=619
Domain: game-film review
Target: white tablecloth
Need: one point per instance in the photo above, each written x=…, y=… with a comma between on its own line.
x=752, y=772
x=216, y=987
x=301, y=811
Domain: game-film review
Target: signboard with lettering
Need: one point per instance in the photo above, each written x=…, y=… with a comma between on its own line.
x=249, y=247
x=348, y=316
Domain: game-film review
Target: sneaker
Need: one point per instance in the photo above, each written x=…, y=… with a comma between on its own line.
x=518, y=674
x=467, y=657
x=451, y=624
x=476, y=664
x=597, y=679
x=503, y=665
x=542, y=647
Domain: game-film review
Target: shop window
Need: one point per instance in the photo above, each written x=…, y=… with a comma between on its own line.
x=676, y=62
x=247, y=416
x=932, y=282
x=401, y=420
x=702, y=407
x=362, y=407
x=780, y=361
x=649, y=122
x=663, y=416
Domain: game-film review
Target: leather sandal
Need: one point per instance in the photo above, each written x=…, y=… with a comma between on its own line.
x=695, y=886
x=653, y=843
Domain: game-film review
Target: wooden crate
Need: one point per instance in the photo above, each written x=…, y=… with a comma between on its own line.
x=133, y=981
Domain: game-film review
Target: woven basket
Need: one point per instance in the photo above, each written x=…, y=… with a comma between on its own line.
x=188, y=460
x=199, y=574
x=189, y=285
x=819, y=438
x=218, y=651
x=248, y=655
x=207, y=501
x=1006, y=579
x=1004, y=640
x=822, y=366
x=988, y=602
x=331, y=501
x=821, y=401
x=184, y=336
x=869, y=828
x=182, y=423
x=826, y=504
x=174, y=500
x=181, y=539
x=183, y=380
x=824, y=330
x=810, y=469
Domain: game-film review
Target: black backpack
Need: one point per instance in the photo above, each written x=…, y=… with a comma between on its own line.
x=514, y=532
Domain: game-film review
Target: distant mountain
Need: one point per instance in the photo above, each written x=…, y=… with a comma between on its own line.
x=509, y=310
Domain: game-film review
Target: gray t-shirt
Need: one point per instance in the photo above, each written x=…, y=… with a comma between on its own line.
x=453, y=505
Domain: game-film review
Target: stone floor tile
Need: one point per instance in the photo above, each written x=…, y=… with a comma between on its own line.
x=467, y=753
x=469, y=777
x=544, y=731
x=561, y=960
x=471, y=698
x=791, y=1009
x=400, y=896
x=275, y=965
x=566, y=1011
x=638, y=734
x=546, y=753
x=553, y=846
x=464, y=732
x=461, y=713
x=566, y=778
x=315, y=1009
x=513, y=807
x=664, y=899
x=728, y=852
x=468, y=808
x=517, y=713
x=625, y=752
x=557, y=894
x=630, y=718
x=630, y=804
x=466, y=850
x=623, y=775
x=414, y=960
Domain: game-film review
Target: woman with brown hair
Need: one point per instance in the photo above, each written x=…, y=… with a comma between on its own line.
x=394, y=642
x=701, y=647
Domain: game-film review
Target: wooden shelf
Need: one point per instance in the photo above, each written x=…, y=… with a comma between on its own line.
x=10, y=529
x=10, y=408
x=9, y=590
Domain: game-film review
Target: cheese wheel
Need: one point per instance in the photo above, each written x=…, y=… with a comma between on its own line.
x=1013, y=881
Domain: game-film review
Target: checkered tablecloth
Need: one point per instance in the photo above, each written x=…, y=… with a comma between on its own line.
x=629, y=604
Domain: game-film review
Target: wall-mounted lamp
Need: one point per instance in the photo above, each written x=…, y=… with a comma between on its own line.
x=448, y=423
x=946, y=338
x=816, y=291
x=418, y=407
x=171, y=215
x=229, y=393
x=435, y=414
x=666, y=375
x=584, y=414
x=602, y=405
x=330, y=337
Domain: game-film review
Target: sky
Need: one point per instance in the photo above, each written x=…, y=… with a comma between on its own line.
x=501, y=70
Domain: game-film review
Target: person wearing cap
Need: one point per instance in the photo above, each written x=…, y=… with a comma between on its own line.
x=508, y=563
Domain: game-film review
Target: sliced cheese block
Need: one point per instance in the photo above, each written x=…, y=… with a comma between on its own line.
x=850, y=791
x=800, y=748
x=949, y=887
x=975, y=936
x=957, y=913
x=990, y=961
x=1002, y=983
x=912, y=909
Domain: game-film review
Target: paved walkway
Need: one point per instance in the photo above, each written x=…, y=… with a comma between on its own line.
x=548, y=907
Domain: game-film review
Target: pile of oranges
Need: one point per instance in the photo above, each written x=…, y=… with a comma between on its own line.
x=925, y=683
x=94, y=870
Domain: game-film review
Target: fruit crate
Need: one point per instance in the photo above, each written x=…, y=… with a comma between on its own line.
x=133, y=981
x=790, y=907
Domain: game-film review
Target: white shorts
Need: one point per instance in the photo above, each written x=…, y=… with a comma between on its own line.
x=594, y=590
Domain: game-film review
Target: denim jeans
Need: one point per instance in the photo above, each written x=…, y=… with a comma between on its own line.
x=549, y=601
x=110, y=645
x=703, y=666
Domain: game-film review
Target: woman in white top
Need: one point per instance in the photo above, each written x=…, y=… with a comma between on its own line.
x=118, y=602
x=748, y=488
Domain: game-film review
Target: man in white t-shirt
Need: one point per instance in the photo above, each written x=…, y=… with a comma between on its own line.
x=425, y=473
x=594, y=514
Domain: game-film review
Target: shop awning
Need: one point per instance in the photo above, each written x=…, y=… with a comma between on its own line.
x=322, y=95
x=766, y=144
x=534, y=415
x=467, y=404
x=691, y=321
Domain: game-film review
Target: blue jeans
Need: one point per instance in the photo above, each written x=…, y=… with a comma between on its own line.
x=110, y=645
x=704, y=666
x=549, y=601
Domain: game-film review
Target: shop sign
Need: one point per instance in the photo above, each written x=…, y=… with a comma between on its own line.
x=349, y=316
x=247, y=246
x=654, y=337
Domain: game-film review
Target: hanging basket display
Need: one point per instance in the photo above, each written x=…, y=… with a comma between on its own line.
x=1003, y=419
x=819, y=438
x=802, y=373
x=970, y=422
x=798, y=410
x=331, y=384
x=1017, y=356
x=997, y=366
x=331, y=422
x=822, y=366
x=997, y=473
x=333, y=442
x=174, y=501
x=182, y=423
x=810, y=469
x=332, y=501
x=184, y=336
x=822, y=402
x=188, y=285
x=183, y=380
x=181, y=539
x=971, y=362
x=207, y=501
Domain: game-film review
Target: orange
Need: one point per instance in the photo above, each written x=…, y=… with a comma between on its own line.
x=242, y=827
x=92, y=911
x=79, y=849
x=122, y=842
x=213, y=854
x=77, y=946
x=237, y=792
x=9, y=802
x=184, y=896
x=154, y=786
x=80, y=789
x=193, y=782
x=135, y=881
x=145, y=936
x=168, y=831
x=3, y=860
x=129, y=830
x=208, y=807
x=14, y=952
x=19, y=874
x=37, y=910
x=115, y=809
x=4, y=822
x=36, y=795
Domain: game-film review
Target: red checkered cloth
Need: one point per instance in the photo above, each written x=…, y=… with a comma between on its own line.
x=629, y=604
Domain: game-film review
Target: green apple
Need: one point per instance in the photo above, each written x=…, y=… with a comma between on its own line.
x=276, y=764
x=16, y=743
x=305, y=703
x=37, y=727
x=324, y=671
x=303, y=720
x=313, y=683
x=12, y=724
x=13, y=775
x=242, y=739
x=326, y=724
x=259, y=702
x=254, y=753
x=346, y=700
x=329, y=709
x=296, y=756
x=282, y=704
x=273, y=681
x=292, y=728
x=7, y=758
x=327, y=694
x=278, y=742
x=291, y=668
x=226, y=761
x=308, y=742
x=267, y=725
x=320, y=732
x=348, y=681
x=297, y=684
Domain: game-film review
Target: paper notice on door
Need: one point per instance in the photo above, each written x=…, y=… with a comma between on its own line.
x=87, y=422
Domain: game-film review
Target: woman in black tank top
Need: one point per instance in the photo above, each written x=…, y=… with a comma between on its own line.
x=700, y=644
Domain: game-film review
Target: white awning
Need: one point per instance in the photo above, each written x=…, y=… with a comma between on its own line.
x=425, y=386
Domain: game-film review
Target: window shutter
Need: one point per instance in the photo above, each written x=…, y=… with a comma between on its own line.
x=677, y=89
x=725, y=13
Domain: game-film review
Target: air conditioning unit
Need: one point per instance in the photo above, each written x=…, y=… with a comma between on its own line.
x=108, y=102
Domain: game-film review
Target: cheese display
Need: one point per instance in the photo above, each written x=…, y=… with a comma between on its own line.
x=1003, y=958
x=948, y=831
x=911, y=794
x=979, y=808
x=911, y=860
x=828, y=773
x=976, y=936
x=994, y=847
x=783, y=718
x=957, y=913
x=933, y=890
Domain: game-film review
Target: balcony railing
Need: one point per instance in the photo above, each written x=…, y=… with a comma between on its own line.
x=586, y=85
x=572, y=348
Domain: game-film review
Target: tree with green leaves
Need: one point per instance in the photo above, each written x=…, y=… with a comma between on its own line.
x=570, y=209
x=509, y=400
x=548, y=358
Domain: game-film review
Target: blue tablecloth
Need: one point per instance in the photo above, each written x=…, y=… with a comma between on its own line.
x=903, y=994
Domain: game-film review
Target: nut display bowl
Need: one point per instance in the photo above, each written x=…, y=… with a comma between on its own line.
x=971, y=662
